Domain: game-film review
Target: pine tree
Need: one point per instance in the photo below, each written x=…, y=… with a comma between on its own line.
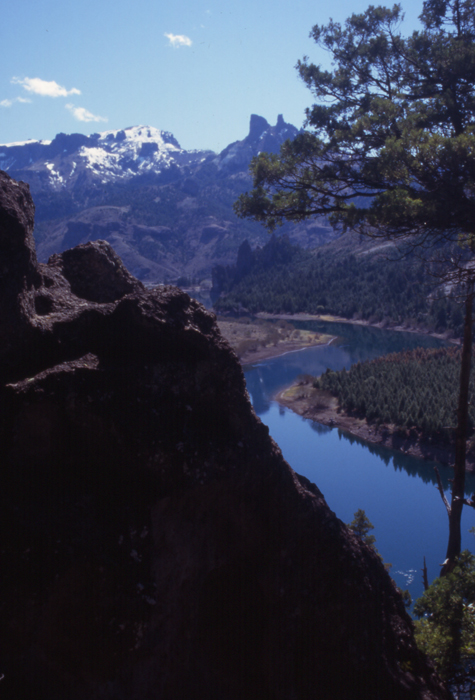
x=389, y=150
x=361, y=526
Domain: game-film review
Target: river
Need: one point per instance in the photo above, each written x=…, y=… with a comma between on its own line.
x=397, y=492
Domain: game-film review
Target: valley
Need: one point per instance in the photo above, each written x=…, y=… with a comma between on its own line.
x=149, y=517
x=168, y=213
x=348, y=278
x=223, y=366
x=396, y=488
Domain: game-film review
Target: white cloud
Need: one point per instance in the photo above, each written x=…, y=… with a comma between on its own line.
x=83, y=115
x=177, y=40
x=9, y=102
x=46, y=88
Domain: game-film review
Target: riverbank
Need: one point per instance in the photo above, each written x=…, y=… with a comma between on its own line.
x=322, y=407
x=265, y=335
x=356, y=322
x=258, y=340
x=272, y=335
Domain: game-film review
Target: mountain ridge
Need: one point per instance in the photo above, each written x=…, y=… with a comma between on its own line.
x=123, y=154
x=110, y=156
x=168, y=212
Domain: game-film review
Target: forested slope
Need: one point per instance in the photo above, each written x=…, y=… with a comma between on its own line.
x=414, y=389
x=342, y=278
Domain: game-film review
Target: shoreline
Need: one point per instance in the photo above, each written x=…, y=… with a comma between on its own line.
x=257, y=340
x=355, y=322
x=322, y=407
x=269, y=353
x=284, y=346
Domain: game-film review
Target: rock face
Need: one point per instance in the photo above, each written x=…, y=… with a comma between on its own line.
x=154, y=543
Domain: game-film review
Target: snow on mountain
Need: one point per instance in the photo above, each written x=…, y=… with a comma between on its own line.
x=110, y=156
x=166, y=211
x=28, y=142
x=76, y=160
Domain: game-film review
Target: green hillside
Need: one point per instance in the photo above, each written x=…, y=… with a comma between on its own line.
x=413, y=389
x=344, y=278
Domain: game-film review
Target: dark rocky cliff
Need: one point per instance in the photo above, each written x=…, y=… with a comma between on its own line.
x=154, y=542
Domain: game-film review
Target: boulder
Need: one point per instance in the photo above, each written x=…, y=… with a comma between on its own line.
x=155, y=543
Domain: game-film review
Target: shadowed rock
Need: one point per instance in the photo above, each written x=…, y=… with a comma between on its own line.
x=155, y=544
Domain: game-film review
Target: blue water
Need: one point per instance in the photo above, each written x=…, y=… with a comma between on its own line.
x=397, y=492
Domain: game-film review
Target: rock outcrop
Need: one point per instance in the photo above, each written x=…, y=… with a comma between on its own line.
x=154, y=542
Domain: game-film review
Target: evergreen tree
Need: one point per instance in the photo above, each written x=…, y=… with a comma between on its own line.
x=361, y=526
x=446, y=628
x=389, y=149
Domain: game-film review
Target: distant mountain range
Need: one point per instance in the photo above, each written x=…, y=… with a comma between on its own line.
x=69, y=162
x=166, y=211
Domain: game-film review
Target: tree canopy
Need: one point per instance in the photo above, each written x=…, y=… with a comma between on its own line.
x=389, y=149
x=362, y=526
x=445, y=630
x=389, y=144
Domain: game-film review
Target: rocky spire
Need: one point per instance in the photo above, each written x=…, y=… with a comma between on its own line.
x=257, y=126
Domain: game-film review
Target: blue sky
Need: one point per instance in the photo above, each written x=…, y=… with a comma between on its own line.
x=197, y=68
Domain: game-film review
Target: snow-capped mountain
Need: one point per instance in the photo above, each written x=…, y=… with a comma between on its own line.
x=168, y=212
x=111, y=156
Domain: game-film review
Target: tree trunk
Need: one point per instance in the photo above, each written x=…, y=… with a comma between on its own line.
x=425, y=579
x=458, y=484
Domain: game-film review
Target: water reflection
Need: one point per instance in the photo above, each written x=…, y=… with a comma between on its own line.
x=353, y=344
x=319, y=428
x=366, y=342
x=397, y=491
x=420, y=468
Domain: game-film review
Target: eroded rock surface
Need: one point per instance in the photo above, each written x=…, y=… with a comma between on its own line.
x=154, y=543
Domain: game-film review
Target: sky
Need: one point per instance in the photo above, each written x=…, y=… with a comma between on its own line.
x=195, y=68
